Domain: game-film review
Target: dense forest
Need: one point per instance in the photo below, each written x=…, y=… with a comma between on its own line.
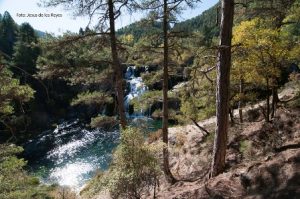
x=179, y=109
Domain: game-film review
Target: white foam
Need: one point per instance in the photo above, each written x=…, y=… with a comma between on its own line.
x=72, y=174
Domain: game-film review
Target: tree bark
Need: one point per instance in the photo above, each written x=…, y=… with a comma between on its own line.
x=268, y=102
x=223, y=82
x=170, y=178
x=241, y=100
x=116, y=65
x=275, y=100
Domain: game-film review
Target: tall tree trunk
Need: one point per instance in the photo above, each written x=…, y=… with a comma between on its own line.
x=241, y=100
x=170, y=178
x=116, y=65
x=223, y=83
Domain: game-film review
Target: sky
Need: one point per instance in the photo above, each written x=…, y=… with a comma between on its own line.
x=57, y=20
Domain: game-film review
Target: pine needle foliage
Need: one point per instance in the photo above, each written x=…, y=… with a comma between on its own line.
x=134, y=168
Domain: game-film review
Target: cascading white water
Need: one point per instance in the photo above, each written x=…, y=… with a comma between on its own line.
x=136, y=89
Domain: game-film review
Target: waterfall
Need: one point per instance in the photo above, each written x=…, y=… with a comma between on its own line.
x=136, y=88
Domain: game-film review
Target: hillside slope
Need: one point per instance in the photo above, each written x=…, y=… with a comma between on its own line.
x=205, y=23
x=263, y=159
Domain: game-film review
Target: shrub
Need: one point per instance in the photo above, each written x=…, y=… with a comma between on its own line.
x=61, y=192
x=246, y=149
x=90, y=98
x=15, y=183
x=103, y=121
x=134, y=168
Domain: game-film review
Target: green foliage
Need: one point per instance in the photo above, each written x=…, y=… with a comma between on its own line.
x=153, y=77
x=197, y=109
x=26, y=50
x=92, y=98
x=83, y=62
x=14, y=181
x=11, y=91
x=245, y=148
x=8, y=32
x=140, y=29
x=206, y=24
x=198, y=94
x=261, y=54
x=134, y=168
x=103, y=121
x=292, y=20
x=76, y=59
x=145, y=101
x=292, y=29
x=269, y=9
x=210, y=138
x=158, y=113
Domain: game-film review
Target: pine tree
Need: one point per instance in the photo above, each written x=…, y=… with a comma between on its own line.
x=11, y=92
x=8, y=34
x=26, y=50
x=166, y=10
x=223, y=85
x=110, y=10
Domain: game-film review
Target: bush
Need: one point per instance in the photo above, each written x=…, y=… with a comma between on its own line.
x=246, y=149
x=61, y=192
x=133, y=171
x=15, y=183
x=103, y=121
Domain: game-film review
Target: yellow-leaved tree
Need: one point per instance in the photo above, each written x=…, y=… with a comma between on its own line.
x=260, y=55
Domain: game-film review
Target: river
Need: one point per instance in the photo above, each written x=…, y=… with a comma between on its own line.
x=71, y=153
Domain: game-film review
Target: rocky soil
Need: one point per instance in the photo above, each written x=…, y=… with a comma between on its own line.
x=263, y=159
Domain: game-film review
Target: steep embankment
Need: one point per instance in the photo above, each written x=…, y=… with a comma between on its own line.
x=263, y=159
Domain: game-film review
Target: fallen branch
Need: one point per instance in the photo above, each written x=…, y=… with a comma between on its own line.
x=200, y=127
x=286, y=147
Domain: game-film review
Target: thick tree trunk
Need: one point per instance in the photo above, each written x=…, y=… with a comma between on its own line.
x=116, y=65
x=223, y=82
x=170, y=178
x=241, y=100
